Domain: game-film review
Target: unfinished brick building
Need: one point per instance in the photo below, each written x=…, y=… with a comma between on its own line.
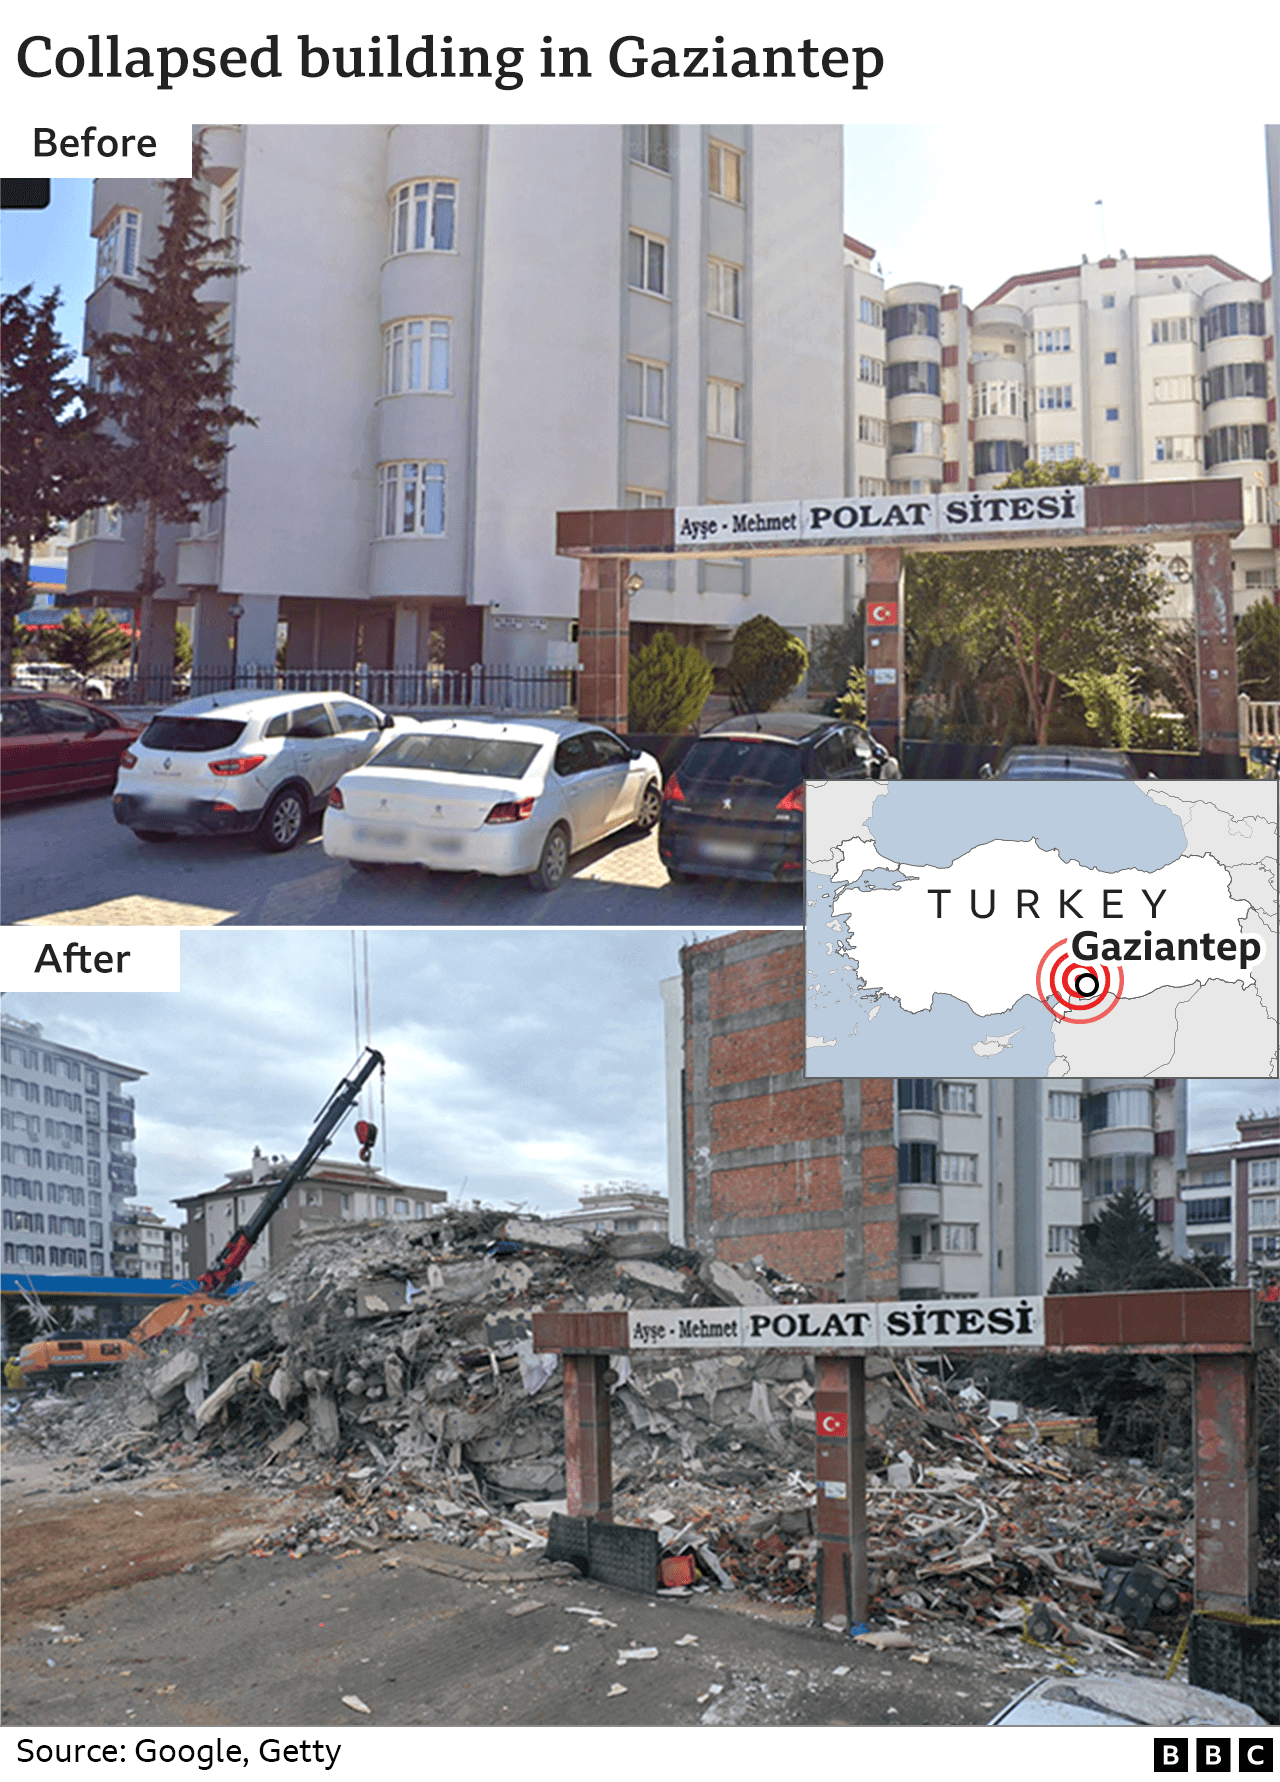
x=800, y=1171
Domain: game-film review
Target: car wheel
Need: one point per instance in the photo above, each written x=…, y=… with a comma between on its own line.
x=650, y=808
x=553, y=862
x=282, y=821
x=677, y=875
x=155, y=835
x=367, y=865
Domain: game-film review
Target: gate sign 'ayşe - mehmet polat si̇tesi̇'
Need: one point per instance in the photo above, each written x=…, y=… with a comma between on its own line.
x=888, y=1324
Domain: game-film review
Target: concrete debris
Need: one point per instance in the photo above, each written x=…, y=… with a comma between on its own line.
x=353, y=1701
x=384, y=1377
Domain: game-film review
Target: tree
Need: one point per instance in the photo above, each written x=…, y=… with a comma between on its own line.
x=668, y=685
x=51, y=458
x=88, y=644
x=1050, y=614
x=1258, y=650
x=765, y=663
x=165, y=386
x=1120, y=1253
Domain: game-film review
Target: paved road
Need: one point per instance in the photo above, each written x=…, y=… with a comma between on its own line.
x=265, y=1642
x=67, y=861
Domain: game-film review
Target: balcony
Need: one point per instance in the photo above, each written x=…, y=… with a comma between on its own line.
x=920, y=1200
x=919, y=1272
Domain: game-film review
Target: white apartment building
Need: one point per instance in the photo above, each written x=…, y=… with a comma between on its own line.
x=615, y=1208
x=448, y=333
x=996, y=1176
x=68, y=1170
x=1230, y=1197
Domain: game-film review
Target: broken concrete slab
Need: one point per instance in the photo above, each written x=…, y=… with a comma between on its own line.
x=223, y=1394
x=663, y=1280
x=378, y=1299
x=729, y=1287
x=547, y=1237
x=173, y=1373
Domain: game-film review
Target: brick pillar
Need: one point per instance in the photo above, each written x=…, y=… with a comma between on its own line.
x=841, y=1434
x=604, y=629
x=884, y=648
x=1226, y=1483
x=1215, y=644
x=588, y=1444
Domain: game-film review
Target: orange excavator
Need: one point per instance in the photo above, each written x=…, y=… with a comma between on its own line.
x=50, y=1358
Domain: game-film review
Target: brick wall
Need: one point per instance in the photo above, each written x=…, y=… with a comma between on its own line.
x=799, y=1171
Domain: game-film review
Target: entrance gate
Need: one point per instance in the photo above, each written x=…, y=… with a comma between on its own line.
x=1214, y=1325
x=1208, y=513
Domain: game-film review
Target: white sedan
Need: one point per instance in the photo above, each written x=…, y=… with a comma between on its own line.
x=492, y=796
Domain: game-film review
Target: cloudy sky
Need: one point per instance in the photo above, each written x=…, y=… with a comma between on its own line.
x=521, y=1065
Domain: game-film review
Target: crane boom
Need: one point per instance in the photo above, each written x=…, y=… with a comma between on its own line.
x=225, y=1271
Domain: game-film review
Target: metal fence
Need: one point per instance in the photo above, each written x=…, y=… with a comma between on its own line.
x=482, y=688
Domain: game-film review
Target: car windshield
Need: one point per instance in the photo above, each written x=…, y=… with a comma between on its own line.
x=192, y=736
x=1063, y=767
x=498, y=757
x=741, y=761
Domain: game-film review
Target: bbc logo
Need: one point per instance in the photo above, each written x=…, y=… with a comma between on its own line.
x=1253, y=1755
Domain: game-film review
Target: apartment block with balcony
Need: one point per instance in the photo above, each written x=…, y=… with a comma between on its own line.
x=1229, y=1197
x=878, y=1188
x=448, y=333
x=69, y=1170
x=618, y=1209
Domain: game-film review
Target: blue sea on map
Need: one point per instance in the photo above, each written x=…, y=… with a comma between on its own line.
x=1110, y=827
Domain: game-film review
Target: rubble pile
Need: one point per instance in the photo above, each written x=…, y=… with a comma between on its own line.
x=384, y=1377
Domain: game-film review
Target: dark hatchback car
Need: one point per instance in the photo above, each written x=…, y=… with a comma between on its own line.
x=734, y=807
x=1060, y=761
x=54, y=744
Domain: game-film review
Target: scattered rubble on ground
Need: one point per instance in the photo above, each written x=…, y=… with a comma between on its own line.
x=384, y=1377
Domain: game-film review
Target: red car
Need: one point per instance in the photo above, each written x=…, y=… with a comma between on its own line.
x=51, y=743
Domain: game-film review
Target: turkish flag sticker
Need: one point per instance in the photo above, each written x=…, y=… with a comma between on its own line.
x=833, y=1423
x=882, y=612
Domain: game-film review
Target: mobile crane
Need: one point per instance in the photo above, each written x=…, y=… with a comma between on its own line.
x=51, y=1357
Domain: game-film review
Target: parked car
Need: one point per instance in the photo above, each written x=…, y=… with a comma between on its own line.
x=46, y=676
x=493, y=796
x=243, y=763
x=735, y=805
x=1095, y=1699
x=51, y=743
x=1060, y=761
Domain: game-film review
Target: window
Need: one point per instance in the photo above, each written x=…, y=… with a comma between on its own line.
x=911, y=318
x=1232, y=318
x=870, y=430
x=424, y=217
x=1173, y=389
x=1062, y=453
x=1054, y=396
x=1265, y=1247
x=1104, y=1176
x=1108, y=300
x=99, y=522
x=419, y=1209
x=870, y=371
x=916, y=437
x=1214, y=1246
x=1166, y=328
x=872, y=485
x=993, y=457
x=998, y=396
x=1222, y=382
x=871, y=312
x=315, y=1197
x=1177, y=448
x=411, y=500
x=646, y=390
x=955, y=1238
x=651, y=144
x=227, y=218
x=1211, y=1211
x=118, y=247
x=1224, y=445
x=1053, y=340
x=1264, y=1211
x=724, y=289
x=724, y=172
x=402, y=1209
x=644, y=498
x=415, y=356
x=957, y=1166
x=1113, y=414
x=1264, y=1172
x=914, y=377
x=958, y=1098
x=1064, y=1240
x=1110, y=358
x=1063, y=1105
x=917, y=1093
x=1064, y=1172
x=646, y=263
x=917, y=1162
x=1118, y=1107
x=380, y=1205
x=1113, y=473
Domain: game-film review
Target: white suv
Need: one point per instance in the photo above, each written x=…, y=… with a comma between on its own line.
x=237, y=762
x=44, y=676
